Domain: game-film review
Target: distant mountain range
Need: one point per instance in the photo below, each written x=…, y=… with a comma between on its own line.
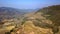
x=10, y=12
x=6, y=12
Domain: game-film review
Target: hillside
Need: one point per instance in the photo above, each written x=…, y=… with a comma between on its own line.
x=44, y=21
x=54, y=12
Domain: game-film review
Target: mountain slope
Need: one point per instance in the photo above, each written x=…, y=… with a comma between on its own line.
x=54, y=12
x=46, y=20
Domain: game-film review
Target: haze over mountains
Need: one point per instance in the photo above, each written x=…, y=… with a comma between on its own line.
x=7, y=12
x=21, y=21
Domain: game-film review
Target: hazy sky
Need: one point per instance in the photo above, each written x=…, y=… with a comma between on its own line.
x=28, y=4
